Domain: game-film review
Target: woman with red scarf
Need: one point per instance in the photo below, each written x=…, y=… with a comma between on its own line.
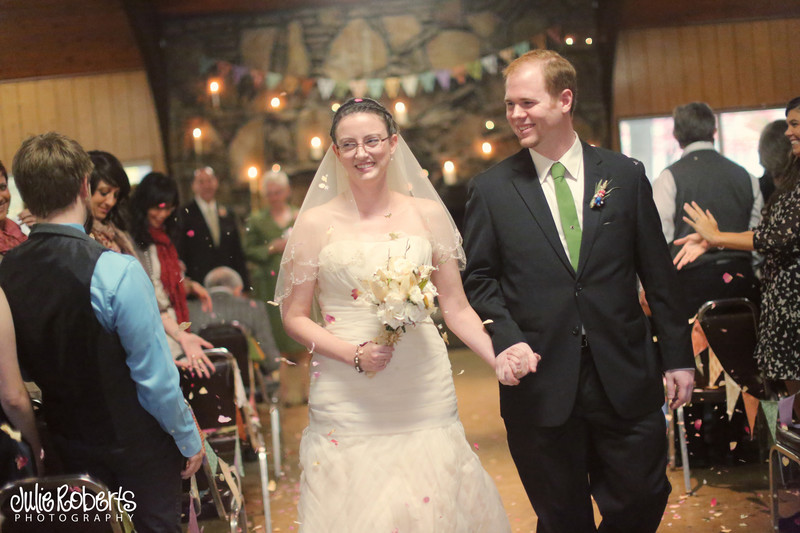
x=10, y=234
x=152, y=226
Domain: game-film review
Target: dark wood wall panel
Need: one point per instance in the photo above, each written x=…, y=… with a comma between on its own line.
x=728, y=65
x=55, y=37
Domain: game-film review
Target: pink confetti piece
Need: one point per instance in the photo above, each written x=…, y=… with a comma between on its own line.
x=272, y=273
x=713, y=502
x=475, y=444
x=223, y=419
x=21, y=461
x=252, y=303
x=727, y=278
x=190, y=233
x=355, y=294
x=314, y=363
x=330, y=319
x=162, y=205
x=426, y=499
x=334, y=442
x=316, y=375
x=697, y=424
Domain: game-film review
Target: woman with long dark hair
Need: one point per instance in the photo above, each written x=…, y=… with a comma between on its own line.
x=153, y=227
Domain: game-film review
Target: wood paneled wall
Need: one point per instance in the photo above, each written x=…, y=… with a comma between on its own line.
x=727, y=65
x=111, y=112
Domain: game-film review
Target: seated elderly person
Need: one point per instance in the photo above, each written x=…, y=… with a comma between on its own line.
x=225, y=286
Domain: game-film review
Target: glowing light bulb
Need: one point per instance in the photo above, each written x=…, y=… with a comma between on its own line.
x=489, y=125
x=275, y=103
x=276, y=167
x=569, y=41
x=335, y=106
x=588, y=40
x=252, y=173
x=316, y=148
x=486, y=148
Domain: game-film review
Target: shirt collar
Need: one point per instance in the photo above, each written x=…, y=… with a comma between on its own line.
x=572, y=161
x=206, y=207
x=698, y=145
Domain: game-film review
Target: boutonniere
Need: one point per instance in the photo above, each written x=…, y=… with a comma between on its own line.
x=601, y=190
x=222, y=212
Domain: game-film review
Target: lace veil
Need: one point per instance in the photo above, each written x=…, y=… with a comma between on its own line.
x=329, y=214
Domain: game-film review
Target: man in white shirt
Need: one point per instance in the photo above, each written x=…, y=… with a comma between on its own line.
x=704, y=176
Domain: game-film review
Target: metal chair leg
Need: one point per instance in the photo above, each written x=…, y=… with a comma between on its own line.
x=687, y=482
x=275, y=426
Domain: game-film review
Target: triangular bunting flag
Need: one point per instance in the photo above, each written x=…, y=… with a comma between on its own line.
x=751, y=410
x=239, y=73
x=375, y=88
x=306, y=84
x=392, y=86
x=206, y=63
x=358, y=88
x=489, y=63
x=475, y=70
x=460, y=74
x=291, y=83
x=341, y=89
x=770, y=409
x=428, y=81
x=325, y=87
x=507, y=54
x=714, y=367
x=410, y=84
x=699, y=340
x=732, y=392
x=443, y=77
x=521, y=48
x=258, y=78
x=273, y=79
x=785, y=408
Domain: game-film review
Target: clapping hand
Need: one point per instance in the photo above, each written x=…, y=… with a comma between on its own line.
x=516, y=362
x=703, y=222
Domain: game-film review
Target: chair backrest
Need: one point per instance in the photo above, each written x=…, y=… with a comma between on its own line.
x=232, y=338
x=78, y=513
x=213, y=398
x=731, y=327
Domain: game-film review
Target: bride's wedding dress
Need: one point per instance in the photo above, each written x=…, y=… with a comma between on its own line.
x=388, y=453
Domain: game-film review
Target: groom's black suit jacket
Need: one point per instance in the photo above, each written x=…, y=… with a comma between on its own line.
x=518, y=276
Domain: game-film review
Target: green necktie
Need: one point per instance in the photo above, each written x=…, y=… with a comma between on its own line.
x=567, y=213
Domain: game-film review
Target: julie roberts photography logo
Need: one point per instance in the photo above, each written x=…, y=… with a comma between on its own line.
x=66, y=503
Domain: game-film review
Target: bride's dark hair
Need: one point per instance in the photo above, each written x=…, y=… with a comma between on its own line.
x=363, y=105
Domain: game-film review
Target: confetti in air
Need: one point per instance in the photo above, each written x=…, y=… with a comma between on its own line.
x=290, y=363
x=488, y=321
x=311, y=350
x=223, y=419
x=202, y=390
x=330, y=319
x=475, y=444
x=190, y=233
x=727, y=278
x=274, y=304
x=355, y=294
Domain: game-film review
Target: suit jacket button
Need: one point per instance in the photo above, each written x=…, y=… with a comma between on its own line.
x=578, y=288
x=576, y=330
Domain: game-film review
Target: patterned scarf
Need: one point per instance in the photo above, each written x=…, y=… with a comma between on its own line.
x=112, y=238
x=10, y=235
x=171, y=275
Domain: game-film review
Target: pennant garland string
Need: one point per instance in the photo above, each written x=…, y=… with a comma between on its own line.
x=373, y=87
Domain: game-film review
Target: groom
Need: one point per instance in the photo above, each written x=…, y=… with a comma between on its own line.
x=556, y=236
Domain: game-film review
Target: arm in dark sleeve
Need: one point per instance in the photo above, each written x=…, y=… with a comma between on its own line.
x=483, y=271
x=659, y=279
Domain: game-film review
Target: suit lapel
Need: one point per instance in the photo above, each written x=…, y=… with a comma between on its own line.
x=526, y=181
x=592, y=168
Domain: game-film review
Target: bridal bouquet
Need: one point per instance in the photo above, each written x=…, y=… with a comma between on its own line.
x=403, y=295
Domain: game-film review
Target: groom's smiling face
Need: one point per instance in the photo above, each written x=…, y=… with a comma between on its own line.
x=536, y=116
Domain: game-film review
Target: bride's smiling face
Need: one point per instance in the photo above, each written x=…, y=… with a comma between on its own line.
x=364, y=146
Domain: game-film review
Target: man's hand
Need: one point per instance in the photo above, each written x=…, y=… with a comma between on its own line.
x=515, y=362
x=679, y=385
x=193, y=464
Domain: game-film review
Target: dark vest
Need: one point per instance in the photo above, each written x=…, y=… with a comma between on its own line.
x=88, y=394
x=719, y=185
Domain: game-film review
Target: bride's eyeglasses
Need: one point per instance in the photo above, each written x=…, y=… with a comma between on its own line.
x=349, y=147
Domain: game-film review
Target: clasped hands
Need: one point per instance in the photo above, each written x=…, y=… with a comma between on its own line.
x=515, y=362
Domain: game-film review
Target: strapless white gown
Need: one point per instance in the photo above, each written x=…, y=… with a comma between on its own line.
x=388, y=453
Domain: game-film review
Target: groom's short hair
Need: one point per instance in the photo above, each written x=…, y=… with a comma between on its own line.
x=559, y=74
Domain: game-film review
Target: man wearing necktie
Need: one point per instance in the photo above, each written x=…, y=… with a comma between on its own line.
x=208, y=236
x=556, y=236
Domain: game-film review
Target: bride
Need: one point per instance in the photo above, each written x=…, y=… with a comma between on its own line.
x=384, y=450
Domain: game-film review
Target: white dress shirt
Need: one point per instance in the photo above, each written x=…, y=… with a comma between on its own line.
x=664, y=191
x=209, y=211
x=573, y=162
